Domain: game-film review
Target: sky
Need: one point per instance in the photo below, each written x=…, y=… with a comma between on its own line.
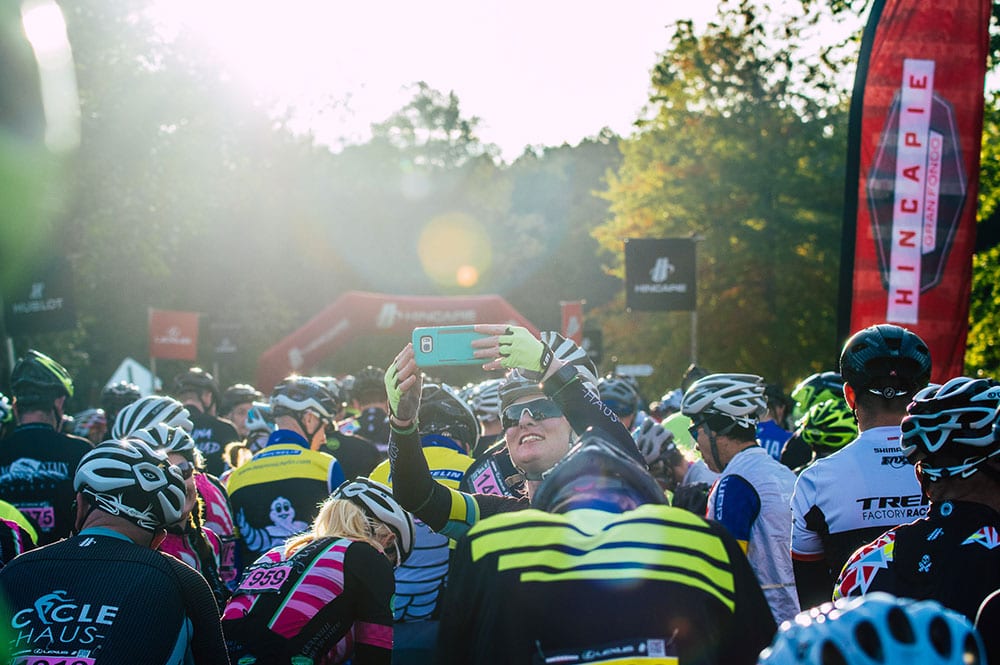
x=536, y=72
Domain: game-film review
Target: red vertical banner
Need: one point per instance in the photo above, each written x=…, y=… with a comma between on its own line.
x=572, y=320
x=913, y=171
x=173, y=334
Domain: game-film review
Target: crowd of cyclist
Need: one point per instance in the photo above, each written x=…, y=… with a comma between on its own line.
x=544, y=514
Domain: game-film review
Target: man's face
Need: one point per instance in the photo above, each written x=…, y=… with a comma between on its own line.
x=701, y=439
x=536, y=437
x=238, y=417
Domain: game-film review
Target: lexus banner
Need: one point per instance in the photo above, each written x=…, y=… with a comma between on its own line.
x=42, y=302
x=660, y=274
x=173, y=335
x=913, y=170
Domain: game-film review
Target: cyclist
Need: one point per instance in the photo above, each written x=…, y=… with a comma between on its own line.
x=484, y=399
x=620, y=395
x=235, y=403
x=104, y=595
x=325, y=596
x=155, y=410
x=368, y=401
x=541, y=421
x=771, y=432
x=357, y=455
x=752, y=494
x=116, y=397
x=187, y=539
x=814, y=389
x=198, y=391
x=91, y=424
x=827, y=427
x=849, y=498
x=277, y=493
x=601, y=570
x=448, y=431
x=952, y=555
x=878, y=628
x=36, y=461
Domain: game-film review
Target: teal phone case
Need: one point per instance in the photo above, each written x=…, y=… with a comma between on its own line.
x=445, y=345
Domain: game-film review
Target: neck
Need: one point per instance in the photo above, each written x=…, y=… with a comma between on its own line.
x=35, y=417
x=132, y=531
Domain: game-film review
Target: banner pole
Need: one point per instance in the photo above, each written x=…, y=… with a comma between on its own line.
x=694, y=337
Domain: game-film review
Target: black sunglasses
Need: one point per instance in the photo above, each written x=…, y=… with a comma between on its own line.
x=538, y=409
x=187, y=469
x=694, y=429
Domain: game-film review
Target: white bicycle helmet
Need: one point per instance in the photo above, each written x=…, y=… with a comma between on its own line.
x=298, y=394
x=484, y=399
x=132, y=480
x=164, y=437
x=739, y=397
x=876, y=629
x=148, y=411
x=651, y=438
x=378, y=502
x=955, y=420
x=260, y=418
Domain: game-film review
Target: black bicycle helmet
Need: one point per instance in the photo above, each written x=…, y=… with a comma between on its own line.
x=886, y=360
x=236, y=394
x=38, y=378
x=130, y=479
x=876, y=629
x=443, y=412
x=369, y=385
x=117, y=396
x=596, y=473
x=197, y=380
x=953, y=423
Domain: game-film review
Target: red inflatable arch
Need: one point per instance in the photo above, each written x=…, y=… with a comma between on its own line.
x=356, y=313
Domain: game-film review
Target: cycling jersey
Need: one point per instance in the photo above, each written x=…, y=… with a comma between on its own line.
x=201, y=551
x=655, y=585
x=951, y=556
x=211, y=435
x=772, y=437
x=329, y=602
x=493, y=472
x=846, y=500
x=451, y=512
x=420, y=580
x=100, y=598
x=36, y=476
x=751, y=500
x=218, y=517
x=278, y=492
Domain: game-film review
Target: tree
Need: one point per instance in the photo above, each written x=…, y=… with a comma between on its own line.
x=741, y=150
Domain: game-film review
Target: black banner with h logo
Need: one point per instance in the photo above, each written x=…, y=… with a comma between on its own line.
x=660, y=274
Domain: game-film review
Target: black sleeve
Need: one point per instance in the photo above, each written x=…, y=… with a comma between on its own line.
x=813, y=582
x=208, y=645
x=412, y=484
x=370, y=580
x=584, y=410
x=988, y=625
x=756, y=626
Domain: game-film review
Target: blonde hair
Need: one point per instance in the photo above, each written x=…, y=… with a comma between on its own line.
x=338, y=518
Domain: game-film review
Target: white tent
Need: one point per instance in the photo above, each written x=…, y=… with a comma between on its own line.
x=134, y=372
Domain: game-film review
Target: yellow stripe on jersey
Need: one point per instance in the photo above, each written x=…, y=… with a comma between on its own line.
x=652, y=542
x=463, y=515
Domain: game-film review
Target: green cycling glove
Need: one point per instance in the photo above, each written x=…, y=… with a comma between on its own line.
x=519, y=349
x=401, y=406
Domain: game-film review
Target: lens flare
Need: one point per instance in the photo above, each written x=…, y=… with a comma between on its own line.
x=454, y=250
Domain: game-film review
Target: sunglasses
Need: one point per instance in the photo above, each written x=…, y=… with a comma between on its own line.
x=538, y=409
x=187, y=469
x=694, y=430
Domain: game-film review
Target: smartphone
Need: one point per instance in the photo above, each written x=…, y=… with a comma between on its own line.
x=445, y=345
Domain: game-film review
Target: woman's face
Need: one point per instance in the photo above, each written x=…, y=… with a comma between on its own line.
x=385, y=537
x=536, y=437
x=191, y=492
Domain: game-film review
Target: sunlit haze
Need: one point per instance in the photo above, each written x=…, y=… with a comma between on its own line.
x=536, y=73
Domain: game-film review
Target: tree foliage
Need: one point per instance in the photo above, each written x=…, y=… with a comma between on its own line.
x=735, y=154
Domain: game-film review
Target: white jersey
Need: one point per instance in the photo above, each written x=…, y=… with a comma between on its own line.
x=751, y=499
x=848, y=499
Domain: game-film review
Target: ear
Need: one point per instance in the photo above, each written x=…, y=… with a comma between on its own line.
x=850, y=396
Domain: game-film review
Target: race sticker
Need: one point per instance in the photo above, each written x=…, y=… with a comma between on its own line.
x=54, y=660
x=266, y=579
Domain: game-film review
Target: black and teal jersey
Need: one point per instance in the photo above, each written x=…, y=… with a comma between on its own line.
x=655, y=585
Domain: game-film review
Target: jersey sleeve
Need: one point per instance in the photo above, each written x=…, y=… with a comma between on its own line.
x=370, y=573
x=207, y=642
x=735, y=504
x=807, y=544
